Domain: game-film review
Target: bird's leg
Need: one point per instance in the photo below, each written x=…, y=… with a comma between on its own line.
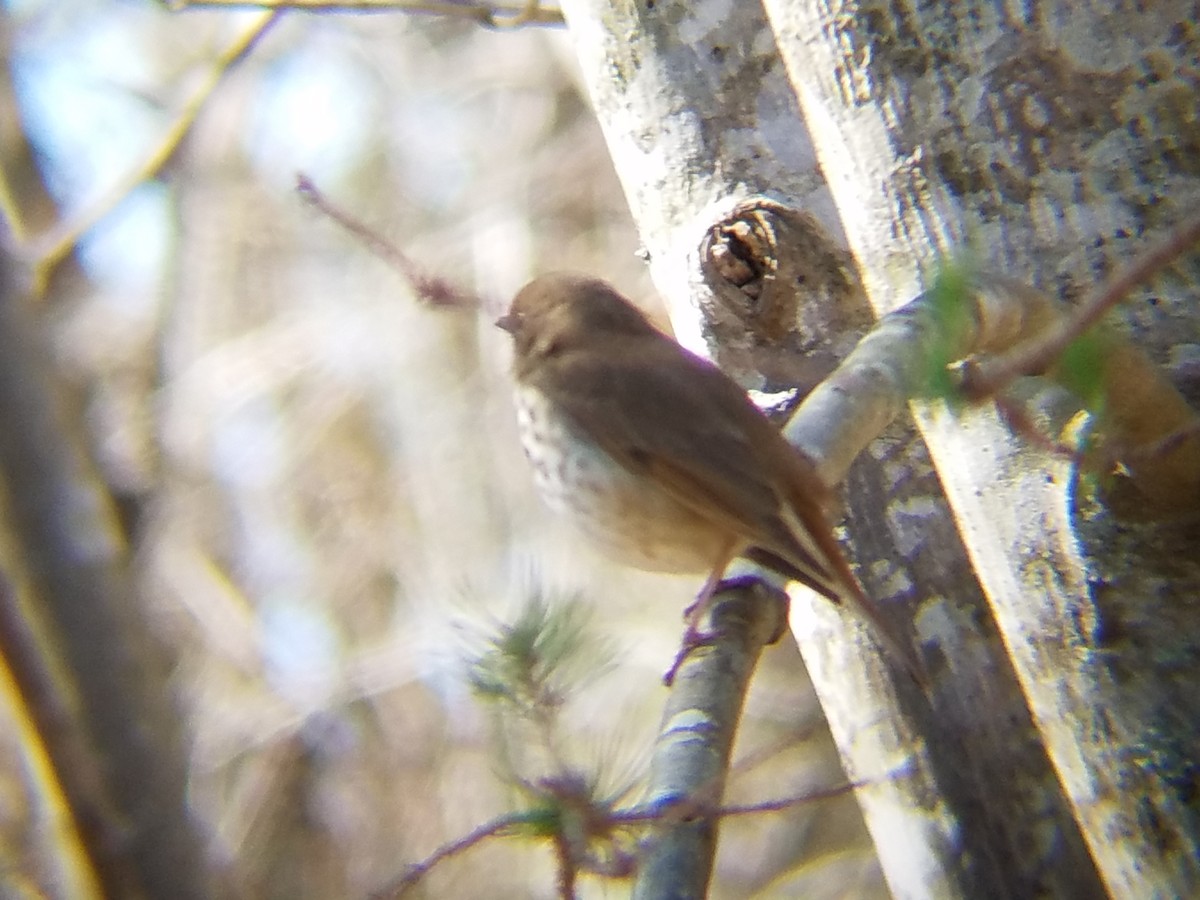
x=697, y=608
x=693, y=637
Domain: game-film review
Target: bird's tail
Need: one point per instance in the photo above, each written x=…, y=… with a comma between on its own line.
x=832, y=576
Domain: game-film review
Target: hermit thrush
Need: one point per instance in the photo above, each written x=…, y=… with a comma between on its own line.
x=659, y=457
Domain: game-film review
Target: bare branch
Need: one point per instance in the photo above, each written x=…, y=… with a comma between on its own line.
x=695, y=743
x=491, y=15
x=908, y=353
x=686, y=809
x=112, y=664
x=433, y=290
x=986, y=378
x=75, y=766
x=572, y=818
x=417, y=871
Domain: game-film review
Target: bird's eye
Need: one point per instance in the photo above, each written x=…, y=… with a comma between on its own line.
x=551, y=347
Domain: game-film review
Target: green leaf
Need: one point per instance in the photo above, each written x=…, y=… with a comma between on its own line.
x=1081, y=368
x=949, y=295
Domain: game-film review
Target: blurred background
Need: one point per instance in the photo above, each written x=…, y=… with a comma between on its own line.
x=319, y=476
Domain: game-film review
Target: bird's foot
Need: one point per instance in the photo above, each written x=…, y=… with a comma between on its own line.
x=693, y=638
x=697, y=609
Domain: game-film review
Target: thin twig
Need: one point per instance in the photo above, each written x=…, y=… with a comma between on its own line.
x=987, y=378
x=1163, y=445
x=569, y=858
x=491, y=15
x=567, y=872
x=55, y=247
x=688, y=809
x=414, y=873
x=434, y=290
x=1022, y=423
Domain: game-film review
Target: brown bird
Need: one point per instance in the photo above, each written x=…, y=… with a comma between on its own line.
x=658, y=456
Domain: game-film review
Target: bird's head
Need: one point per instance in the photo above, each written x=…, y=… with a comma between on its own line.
x=559, y=312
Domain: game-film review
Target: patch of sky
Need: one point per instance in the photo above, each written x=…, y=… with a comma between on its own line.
x=314, y=113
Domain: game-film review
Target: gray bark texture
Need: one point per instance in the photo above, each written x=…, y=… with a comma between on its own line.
x=854, y=147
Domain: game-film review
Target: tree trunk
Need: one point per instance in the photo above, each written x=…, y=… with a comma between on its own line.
x=94, y=679
x=1050, y=149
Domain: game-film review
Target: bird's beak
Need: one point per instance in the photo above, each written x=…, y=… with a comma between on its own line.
x=508, y=322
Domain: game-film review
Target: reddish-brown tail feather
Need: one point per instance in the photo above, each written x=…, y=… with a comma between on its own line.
x=811, y=518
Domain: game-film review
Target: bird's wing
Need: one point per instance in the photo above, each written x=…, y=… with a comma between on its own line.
x=664, y=413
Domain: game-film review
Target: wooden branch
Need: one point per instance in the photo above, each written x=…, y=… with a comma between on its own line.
x=76, y=768
x=1045, y=349
x=692, y=754
x=117, y=675
x=491, y=15
x=906, y=357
